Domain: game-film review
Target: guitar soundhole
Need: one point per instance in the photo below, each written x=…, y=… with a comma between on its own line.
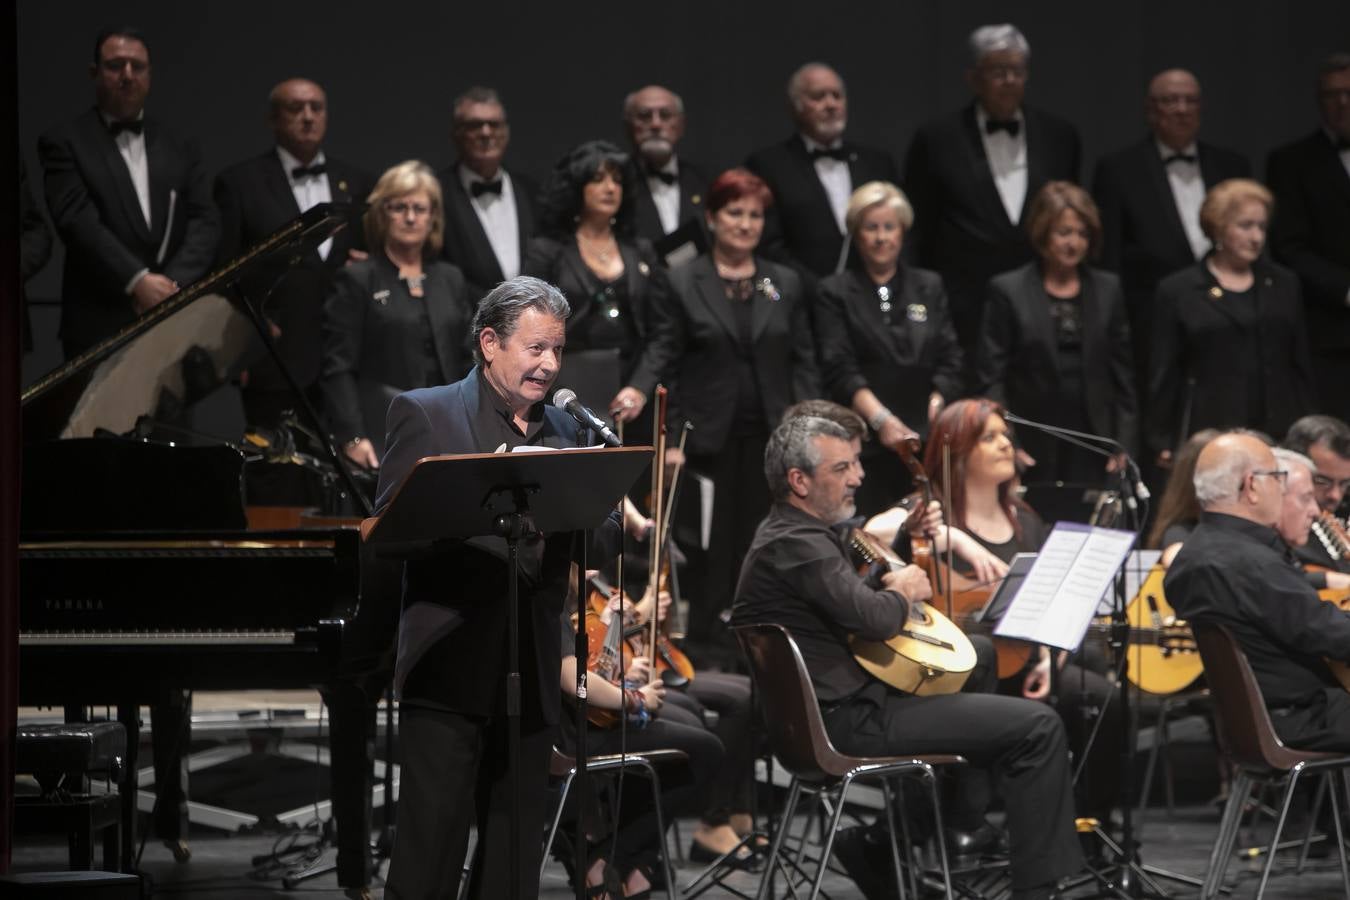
x=919, y=615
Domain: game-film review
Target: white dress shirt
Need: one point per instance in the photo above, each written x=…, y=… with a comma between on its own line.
x=131, y=146
x=666, y=197
x=497, y=213
x=1188, y=192
x=1007, y=156
x=834, y=177
x=309, y=190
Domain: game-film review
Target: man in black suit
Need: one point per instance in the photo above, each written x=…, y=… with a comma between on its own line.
x=490, y=211
x=669, y=191
x=812, y=175
x=35, y=248
x=260, y=195
x=451, y=662
x=1311, y=229
x=128, y=198
x=1150, y=195
x=971, y=176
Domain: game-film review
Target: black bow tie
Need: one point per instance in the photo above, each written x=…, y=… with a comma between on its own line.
x=135, y=127
x=993, y=126
x=832, y=152
x=479, y=188
x=1181, y=157
x=313, y=171
x=664, y=177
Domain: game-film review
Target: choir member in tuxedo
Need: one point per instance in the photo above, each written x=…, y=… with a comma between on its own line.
x=255, y=198
x=1055, y=343
x=611, y=278
x=887, y=346
x=1150, y=194
x=667, y=191
x=489, y=209
x=128, y=198
x=1311, y=230
x=734, y=344
x=397, y=320
x=813, y=173
x=1229, y=345
x=971, y=175
x=35, y=248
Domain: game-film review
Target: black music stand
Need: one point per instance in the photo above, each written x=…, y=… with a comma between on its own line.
x=512, y=496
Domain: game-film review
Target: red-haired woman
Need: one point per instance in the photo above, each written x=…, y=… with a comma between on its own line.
x=734, y=344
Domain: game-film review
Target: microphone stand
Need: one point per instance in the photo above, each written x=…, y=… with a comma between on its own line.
x=1128, y=877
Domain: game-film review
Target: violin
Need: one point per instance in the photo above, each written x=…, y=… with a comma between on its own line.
x=610, y=655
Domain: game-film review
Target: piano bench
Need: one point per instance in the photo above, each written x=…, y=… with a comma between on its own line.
x=54, y=753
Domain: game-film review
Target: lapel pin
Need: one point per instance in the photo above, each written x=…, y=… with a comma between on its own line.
x=342, y=186
x=381, y=297
x=1216, y=292
x=916, y=312
x=696, y=199
x=644, y=269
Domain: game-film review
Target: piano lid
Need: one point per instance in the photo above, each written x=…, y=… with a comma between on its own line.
x=140, y=370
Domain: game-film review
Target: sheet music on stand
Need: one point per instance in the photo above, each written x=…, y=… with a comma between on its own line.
x=1059, y=597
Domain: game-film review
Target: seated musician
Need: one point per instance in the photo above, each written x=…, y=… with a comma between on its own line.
x=1235, y=570
x=654, y=723
x=797, y=574
x=1297, y=514
x=1178, y=510
x=1326, y=442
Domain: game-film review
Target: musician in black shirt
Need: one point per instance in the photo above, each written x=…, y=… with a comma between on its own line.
x=797, y=574
x=1236, y=570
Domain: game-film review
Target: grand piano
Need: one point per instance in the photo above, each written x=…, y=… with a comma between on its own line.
x=139, y=574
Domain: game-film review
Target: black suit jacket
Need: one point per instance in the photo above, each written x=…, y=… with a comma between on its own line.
x=961, y=228
x=1017, y=363
x=901, y=365
x=466, y=243
x=93, y=204
x=255, y=199
x=1142, y=236
x=693, y=186
x=800, y=228
x=452, y=645
x=375, y=337
x=1311, y=232
x=35, y=248
x=1194, y=340
x=695, y=347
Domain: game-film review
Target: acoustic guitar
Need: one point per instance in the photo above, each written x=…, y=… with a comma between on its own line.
x=1163, y=656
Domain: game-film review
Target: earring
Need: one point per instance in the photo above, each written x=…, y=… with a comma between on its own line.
x=613, y=221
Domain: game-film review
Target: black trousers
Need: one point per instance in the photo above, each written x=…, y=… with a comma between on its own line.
x=455, y=773
x=728, y=695
x=1022, y=742
x=1323, y=725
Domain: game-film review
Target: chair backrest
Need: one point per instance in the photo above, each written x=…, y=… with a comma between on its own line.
x=788, y=699
x=1244, y=723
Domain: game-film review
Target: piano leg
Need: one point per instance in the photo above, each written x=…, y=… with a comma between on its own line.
x=129, y=714
x=171, y=736
x=351, y=716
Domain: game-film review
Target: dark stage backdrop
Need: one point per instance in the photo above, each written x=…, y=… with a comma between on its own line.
x=392, y=68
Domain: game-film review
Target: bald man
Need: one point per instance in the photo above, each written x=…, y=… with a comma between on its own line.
x=1236, y=569
x=258, y=196
x=1150, y=195
x=669, y=190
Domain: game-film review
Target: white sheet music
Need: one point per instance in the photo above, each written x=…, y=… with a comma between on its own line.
x=1060, y=594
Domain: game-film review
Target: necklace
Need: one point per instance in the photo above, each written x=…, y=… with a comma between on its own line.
x=602, y=250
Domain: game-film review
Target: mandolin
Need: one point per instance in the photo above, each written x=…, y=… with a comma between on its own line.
x=1163, y=656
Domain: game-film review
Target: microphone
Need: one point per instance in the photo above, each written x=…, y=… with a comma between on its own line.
x=566, y=400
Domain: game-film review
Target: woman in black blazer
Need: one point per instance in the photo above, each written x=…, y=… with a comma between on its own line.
x=611, y=279
x=395, y=321
x=1230, y=347
x=1055, y=341
x=734, y=345
x=888, y=348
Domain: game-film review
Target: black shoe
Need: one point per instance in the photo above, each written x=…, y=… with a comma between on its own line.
x=743, y=858
x=867, y=861
x=982, y=841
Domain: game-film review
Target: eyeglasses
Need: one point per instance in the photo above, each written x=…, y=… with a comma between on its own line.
x=1280, y=475
x=1323, y=481
x=401, y=208
x=658, y=113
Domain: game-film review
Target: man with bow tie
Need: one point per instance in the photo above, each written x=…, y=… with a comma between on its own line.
x=669, y=190
x=490, y=210
x=260, y=195
x=1150, y=195
x=813, y=173
x=128, y=198
x=1310, y=232
x=971, y=174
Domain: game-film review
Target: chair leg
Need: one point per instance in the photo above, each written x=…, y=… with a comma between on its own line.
x=1279, y=827
x=661, y=830
x=888, y=800
x=1227, y=835
x=1169, y=776
x=1322, y=784
x=557, y=817
x=940, y=837
x=789, y=806
x=1340, y=831
x=827, y=844
x=1151, y=766
x=909, y=844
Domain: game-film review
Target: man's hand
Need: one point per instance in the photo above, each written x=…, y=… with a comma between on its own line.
x=151, y=291
x=911, y=582
x=362, y=453
x=354, y=255
x=627, y=404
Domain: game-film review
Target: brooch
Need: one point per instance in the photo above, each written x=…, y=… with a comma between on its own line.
x=768, y=289
x=1216, y=292
x=381, y=297
x=916, y=312
x=644, y=269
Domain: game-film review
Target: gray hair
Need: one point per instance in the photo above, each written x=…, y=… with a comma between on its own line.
x=502, y=308
x=794, y=84
x=631, y=99
x=792, y=446
x=1310, y=430
x=1284, y=458
x=1220, y=480
x=992, y=38
x=475, y=94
